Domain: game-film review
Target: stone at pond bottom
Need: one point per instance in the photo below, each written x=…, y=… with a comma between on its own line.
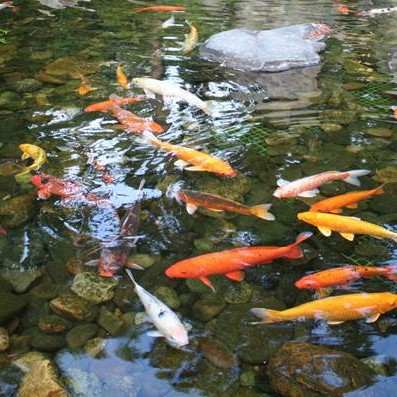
x=382, y=365
x=11, y=305
x=94, y=347
x=45, y=342
x=53, y=324
x=168, y=296
x=217, y=353
x=21, y=281
x=79, y=335
x=206, y=309
x=93, y=287
x=4, y=339
x=267, y=50
x=109, y=321
x=74, y=307
x=301, y=369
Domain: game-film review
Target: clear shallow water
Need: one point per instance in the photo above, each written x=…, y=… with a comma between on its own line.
x=268, y=126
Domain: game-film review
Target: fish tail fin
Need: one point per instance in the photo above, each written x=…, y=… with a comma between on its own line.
x=261, y=211
x=210, y=108
x=149, y=138
x=267, y=316
x=129, y=273
x=380, y=189
x=391, y=272
x=295, y=252
x=354, y=175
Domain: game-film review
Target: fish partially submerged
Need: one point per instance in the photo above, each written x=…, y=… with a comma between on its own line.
x=170, y=89
x=38, y=155
x=334, y=309
x=307, y=187
x=232, y=263
x=191, y=40
x=348, y=200
x=122, y=79
x=376, y=11
x=346, y=226
x=198, y=161
x=163, y=318
x=106, y=106
x=213, y=202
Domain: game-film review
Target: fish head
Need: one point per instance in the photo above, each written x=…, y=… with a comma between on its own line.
x=37, y=180
x=308, y=217
x=138, y=81
x=307, y=282
x=179, y=270
x=28, y=149
x=391, y=300
x=178, y=336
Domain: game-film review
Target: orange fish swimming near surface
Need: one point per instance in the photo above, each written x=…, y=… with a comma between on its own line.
x=192, y=160
x=348, y=200
x=307, y=187
x=163, y=8
x=213, y=202
x=342, y=276
x=334, y=309
x=106, y=106
x=232, y=263
x=346, y=226
x=122, y=79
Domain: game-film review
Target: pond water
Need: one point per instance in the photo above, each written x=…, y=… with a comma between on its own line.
x=335, y=116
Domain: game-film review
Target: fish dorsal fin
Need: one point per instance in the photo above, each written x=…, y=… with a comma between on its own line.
x=191, y=208
x=207, y=282
x=352, y=206
x=282, y=182
x=326, y=231
x=372, y=318
x=330, y=322
x=348, y=236
x=309, y=193
x=235, y=276
x=195, y=168
x=181, y=163
x=155, y=334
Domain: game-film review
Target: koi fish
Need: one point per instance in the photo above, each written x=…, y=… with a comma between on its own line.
x=169, y=89
x=348, y=200
x=232, y=263
x=122, y=79
x=191, y=40
x=130, y=121
x=8, y=4
x=167, y=23
x=307, y=187
x=213, y=202
x=342, y=8
x=394, y=108
x=201, y=161
x=346, y=226
x=162, y=8
x=343, y=276
x=163, y=318
x=376, y=11
x=106, y=106
x=36, y=153
x=85, y=86
x=334, y=309
x=319, y=32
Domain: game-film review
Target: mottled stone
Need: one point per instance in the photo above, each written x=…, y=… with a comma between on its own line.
x=45, y=290
x=26, y=85
x=217, y=353
x=301, y=369
x=10, y=100
x=93, y=287
x=11, y=305
x=331, y=128
x=168, y=296
x=379, y=132
x=381, y=364
x=45, y=342
x=21, y=281
x=79, y=335
x=95, y=347
x=387, y=174
x=4, y=339
x=53, y=324
x=144, y=260
x=237, y=292
x=109, y=321
x=247, y=378
x=206, y=309
x=74, y=307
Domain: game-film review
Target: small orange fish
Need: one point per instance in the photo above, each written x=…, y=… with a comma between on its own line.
x=201, y=161
x=347, y=226
x=321, y=30
x=213, y=202
x=394, y=108
x=335, y=309
x=348, y=200
x=122, y=79
x=342, y=8
x=85, y=86
x=232, y=263
x=106, y=106
x=345, y=275
x=162, y=8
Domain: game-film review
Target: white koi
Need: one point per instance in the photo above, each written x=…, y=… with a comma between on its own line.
x=163, y=318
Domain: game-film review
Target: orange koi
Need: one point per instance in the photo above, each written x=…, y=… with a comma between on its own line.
x=85, y=86
x=394, y=108
x=213, y=202
x=131, y=122
x=345, y=275
x=232, y=263
x=346, y=226
x=342, y=8
x=162, y=8
x=334, y=309
x=122, y=79
x=201, y=161
x=307, y=187
x=106, y=106
x=321, y=30
x=348, y=200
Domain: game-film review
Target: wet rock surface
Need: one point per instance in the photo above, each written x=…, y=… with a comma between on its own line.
x=74, y=307
x=302, y=369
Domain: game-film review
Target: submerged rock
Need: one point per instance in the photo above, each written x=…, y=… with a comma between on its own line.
x=217, y=353
x=74, y=307
x=21, y=281
x=267, y=50
x=301, y=369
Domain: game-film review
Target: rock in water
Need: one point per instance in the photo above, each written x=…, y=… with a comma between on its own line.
x=301, y=369
x=271, y=50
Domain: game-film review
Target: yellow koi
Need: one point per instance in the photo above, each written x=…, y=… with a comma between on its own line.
x=36, y=153
x=191, y=40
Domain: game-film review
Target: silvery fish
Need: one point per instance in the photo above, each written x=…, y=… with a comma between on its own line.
x=163, y=318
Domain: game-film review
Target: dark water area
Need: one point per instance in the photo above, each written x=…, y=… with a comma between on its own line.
x=334, y=116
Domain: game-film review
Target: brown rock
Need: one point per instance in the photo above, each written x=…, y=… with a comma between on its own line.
x=74, y=307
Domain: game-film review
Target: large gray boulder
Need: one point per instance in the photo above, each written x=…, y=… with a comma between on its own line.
x=271, y=50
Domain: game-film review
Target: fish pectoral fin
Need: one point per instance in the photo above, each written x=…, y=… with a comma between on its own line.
x=235, y=276
x=149, y=94
x=181, y=163
x=24, y=156
x=326, y=231
x=372, y=318
x=309, y=193
x=191, y=208
x=352, y=206
x=322, y=293
x=330, y=322
x=195, y=168
x=155, y=334
x=336, y=211
x=347, y=236
x=132, y=265
x=282, y=182
x=207, y=282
